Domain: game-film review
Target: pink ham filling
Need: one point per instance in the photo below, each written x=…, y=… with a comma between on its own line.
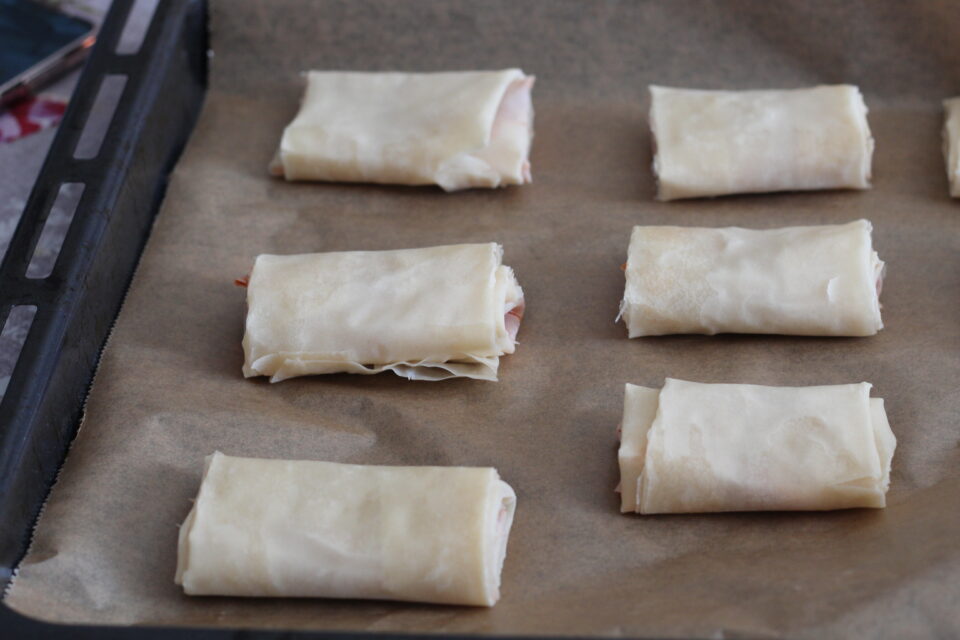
x=501, y=520
x=512, y=318
x=516, y=107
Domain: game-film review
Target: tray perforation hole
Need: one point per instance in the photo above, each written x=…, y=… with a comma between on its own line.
x=12, y=338
x=100, y=116
x=135, y=30
x=55, y=230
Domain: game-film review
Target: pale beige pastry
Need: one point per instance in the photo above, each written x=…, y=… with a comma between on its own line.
x=693, y=447
x=454, y=129
x=711, y=143
x=320, y=529
x=425, y=314
x=951, y=143
x=818, y=281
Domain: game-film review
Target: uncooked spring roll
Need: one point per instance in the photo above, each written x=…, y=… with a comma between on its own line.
x=711, y=143
x=693, y=447
x=425, y=314
x=320, y=529
x=951, y=144
x=817, y=281
x=455, y=129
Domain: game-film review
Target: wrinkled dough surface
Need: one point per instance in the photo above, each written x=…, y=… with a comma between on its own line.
x=454, y=129
x=821, y=281
x=694, y=447
x=711, y=143
x=425, y=314
x=321, y=529
x=951, y=143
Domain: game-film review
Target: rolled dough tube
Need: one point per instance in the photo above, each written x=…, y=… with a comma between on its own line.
x=320, y=529
x=951, y=143
x=711, y=143
x=818, y=281
x=425, y=314
x=693, y=447
x=455, y=129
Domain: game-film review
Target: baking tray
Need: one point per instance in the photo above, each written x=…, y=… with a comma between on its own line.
x=623, y=197
x=124, y=184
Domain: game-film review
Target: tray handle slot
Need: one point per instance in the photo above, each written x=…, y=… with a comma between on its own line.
x=12, y=339
x=100, y=116
x=55, y=230
x=135, y=29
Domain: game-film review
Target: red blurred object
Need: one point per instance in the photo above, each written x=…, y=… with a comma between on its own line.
x=28, y=116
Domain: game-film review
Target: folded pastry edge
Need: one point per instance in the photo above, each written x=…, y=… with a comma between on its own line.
x=512, y=119
x=951, y=143
x=499, y=522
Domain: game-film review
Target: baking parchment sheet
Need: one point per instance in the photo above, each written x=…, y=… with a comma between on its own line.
x=169, y=389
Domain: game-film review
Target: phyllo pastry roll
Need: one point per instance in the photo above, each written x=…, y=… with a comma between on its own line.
x=816, y=281
x=320, y=529
x=425, y=314
x=710, y=143
x=693, y=447
x=455, y=129
x=951, y=143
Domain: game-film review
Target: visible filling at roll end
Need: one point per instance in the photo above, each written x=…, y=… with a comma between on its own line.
x=513, y=308
x=509, y=148
x=951, y=144
x=505, y=158
x=504, y=506
x=275, y=168
x=866, y=159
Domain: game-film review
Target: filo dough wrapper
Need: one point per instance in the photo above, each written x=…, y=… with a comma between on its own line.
x=454, y=129
x=711, y=143
x=321, y=529
x=951, y=143
x=425, y=314
x=818, y=281
x=692, y=447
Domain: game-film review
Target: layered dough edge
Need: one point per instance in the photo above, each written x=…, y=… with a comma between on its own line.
x=820, y=280
x=693, y=447
x=283, y=528
x=457, y=130
x=711, y=143
x=425, y=314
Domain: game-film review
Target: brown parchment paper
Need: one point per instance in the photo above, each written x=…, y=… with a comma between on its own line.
x=169, y=389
